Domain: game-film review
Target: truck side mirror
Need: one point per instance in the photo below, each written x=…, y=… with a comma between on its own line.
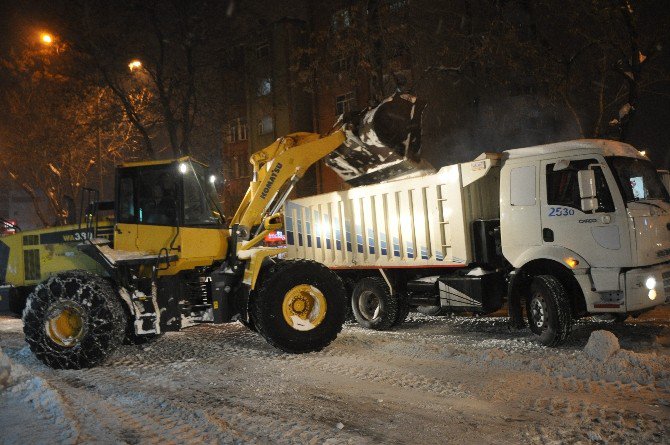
x=587, y=190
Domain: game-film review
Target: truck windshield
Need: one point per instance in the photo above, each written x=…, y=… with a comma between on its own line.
x=637, y=179
x=200, y=200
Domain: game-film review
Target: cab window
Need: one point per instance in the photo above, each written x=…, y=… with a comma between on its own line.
x=126, y=201
x=563, y=187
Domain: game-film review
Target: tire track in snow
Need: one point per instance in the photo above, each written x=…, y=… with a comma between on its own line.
x=172, y=415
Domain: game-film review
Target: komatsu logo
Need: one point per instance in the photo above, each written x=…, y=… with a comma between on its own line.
x=273, y=177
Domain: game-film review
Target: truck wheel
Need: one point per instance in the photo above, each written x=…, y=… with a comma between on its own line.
x=548, y=309
x=299, y=306
x=373, y=305
x=403, y=311
x=349, y=284
x=74, y=320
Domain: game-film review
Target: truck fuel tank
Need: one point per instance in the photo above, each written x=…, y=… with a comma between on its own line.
x=382, y=143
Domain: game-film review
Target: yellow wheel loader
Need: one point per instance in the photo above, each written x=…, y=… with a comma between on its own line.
x=174, y=262
x=29, y=257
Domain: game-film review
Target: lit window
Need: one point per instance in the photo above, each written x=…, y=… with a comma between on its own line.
x=345, y=103
x=266, y=125
x=264, y=87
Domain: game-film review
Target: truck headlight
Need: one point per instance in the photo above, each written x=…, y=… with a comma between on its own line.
x=650, y=283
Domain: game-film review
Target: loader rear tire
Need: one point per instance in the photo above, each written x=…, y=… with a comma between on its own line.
x=74, y=320
x=373, y=304
x=548, y=310
x=299, y=306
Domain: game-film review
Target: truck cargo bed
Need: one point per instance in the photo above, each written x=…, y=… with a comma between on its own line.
x=417, y=222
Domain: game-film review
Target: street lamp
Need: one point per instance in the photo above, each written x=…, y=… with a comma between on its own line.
x=134, y=65
x=46, y=38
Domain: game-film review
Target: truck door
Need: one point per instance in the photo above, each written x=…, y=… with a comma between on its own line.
x=600, y=237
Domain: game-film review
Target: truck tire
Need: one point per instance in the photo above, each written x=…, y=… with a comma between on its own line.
x=548, y=309
x=349, y=284
x=373, y=305
x=299, y=306
x=74, y=320
x=403, y=311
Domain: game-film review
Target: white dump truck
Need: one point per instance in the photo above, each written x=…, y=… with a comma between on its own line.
x=561, y=230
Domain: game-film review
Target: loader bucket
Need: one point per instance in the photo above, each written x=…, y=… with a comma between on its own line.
x=382, y=142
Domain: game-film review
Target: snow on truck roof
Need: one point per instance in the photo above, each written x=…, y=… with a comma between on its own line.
x=606, y=147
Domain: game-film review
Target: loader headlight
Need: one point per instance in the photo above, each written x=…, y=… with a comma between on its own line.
x=650, y=283
x=212, y=179
x=183, y=167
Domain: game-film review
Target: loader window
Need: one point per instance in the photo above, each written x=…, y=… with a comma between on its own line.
x=158, y=196
x=563, y=188
x=200, y=198
x=126, y=200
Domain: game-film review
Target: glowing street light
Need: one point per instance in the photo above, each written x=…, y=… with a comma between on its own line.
x=46, y=38
x=134, y=65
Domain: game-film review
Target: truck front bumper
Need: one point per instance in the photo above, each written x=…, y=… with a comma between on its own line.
x=636, y=282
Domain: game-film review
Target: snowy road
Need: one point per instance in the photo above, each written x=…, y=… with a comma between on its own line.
x=434, y=380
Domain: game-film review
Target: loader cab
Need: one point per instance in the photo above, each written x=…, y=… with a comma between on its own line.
x=159, y=200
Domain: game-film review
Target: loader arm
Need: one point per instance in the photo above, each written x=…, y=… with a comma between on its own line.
x=276, y=169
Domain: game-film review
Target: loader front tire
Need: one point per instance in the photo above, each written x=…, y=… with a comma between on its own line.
x=74, y=320
x=298, y=306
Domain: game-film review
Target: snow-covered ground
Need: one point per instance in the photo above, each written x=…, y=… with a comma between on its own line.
x=433, y=380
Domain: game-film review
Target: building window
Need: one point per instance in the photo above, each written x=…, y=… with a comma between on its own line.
x=263, y=50
x=345, y=103
x=237, y=130
x=341, y=19
x=264, y=87
x=397, y=5
x=266, y=125
x=343, y=64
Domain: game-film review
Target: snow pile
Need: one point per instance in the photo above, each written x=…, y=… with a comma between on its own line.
x=31, y=399
x=10, y=372
x=602, y=345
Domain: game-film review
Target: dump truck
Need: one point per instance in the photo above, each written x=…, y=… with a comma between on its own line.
x=555, y=232
x=174, y=261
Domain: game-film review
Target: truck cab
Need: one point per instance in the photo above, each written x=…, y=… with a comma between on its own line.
x=594, y=214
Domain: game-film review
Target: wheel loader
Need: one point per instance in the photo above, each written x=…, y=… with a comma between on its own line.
x=28, y=257
x=174, y=262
